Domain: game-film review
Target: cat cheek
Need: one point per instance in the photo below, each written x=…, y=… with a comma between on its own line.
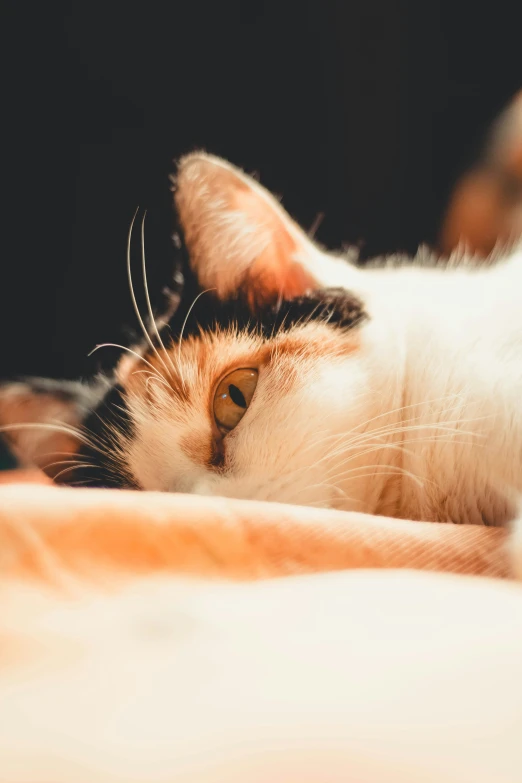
x=199, y=448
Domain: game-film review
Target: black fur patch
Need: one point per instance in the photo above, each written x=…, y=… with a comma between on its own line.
x=111, y=414
x=334, y=306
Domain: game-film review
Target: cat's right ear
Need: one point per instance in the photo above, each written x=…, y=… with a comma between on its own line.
x=239, y=238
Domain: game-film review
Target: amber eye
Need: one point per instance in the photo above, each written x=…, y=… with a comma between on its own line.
x=233, y=396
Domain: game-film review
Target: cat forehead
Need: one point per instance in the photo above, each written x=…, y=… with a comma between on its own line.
x=227, y=336
x=186, y=373
x=161, y=406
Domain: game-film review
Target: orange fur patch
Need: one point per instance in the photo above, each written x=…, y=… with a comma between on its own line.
x=194, y=371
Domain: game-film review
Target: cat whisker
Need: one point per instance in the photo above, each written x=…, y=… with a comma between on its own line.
x=344, y=439
x=399, y=447
x=150, y=379
x=133, y=295
x=207, y=290
x=72, y=467
x=379, y=470
x=400, y=427
x=133, y=353
x=147, y=297
x=62, y=429
x=384, y=430
x=403, y=408
x=58, y=454
x=350, y=441
x=62, y=462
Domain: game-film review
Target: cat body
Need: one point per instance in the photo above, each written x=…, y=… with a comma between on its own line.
x=410, y=410
x=392, y=389
x=443, y=352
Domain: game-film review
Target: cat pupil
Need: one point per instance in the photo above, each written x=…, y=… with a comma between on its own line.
x=236, y=396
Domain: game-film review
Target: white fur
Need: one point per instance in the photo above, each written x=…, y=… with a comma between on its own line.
x=439, y=363
x=418, y=413
x=455, y=338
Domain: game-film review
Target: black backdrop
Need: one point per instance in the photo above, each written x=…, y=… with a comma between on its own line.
x=364, y=110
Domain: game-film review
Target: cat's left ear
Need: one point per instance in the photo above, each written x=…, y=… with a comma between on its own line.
x=239, y=237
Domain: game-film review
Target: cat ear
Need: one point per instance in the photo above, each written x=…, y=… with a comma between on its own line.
x=239, y=237
x=38, y=419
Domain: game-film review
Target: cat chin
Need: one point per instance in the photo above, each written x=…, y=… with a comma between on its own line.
x=268, y=492
x=321, y=494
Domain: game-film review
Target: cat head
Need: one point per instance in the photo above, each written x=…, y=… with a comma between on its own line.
x=255, y=385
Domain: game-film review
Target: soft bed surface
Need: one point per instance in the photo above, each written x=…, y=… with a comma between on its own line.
x=128, y=654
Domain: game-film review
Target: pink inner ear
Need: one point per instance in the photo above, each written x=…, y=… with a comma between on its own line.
x=275, y=276
x=276, y=272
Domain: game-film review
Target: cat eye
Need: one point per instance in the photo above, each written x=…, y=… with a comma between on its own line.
x=233, y=396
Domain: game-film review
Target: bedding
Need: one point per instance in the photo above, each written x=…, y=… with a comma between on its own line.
x=116, y=668
x=47, y=530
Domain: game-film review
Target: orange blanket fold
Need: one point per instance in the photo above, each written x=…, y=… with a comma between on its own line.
x=47, y=531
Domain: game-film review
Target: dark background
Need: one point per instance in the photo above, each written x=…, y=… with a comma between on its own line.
x=366, y=111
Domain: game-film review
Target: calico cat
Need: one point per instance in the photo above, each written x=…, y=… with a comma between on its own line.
x=297, y=376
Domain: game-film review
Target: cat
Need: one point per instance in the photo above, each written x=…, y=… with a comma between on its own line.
x=298, y=376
